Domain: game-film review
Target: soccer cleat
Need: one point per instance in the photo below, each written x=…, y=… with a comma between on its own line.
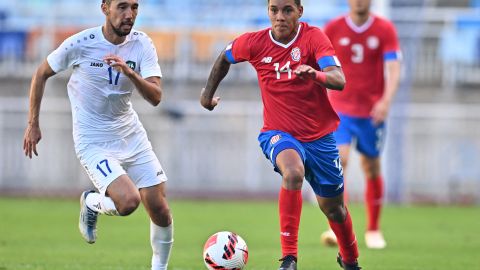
x=289, y=262
x=328, y=238
x=375, y=240
x=346, y=266
x=88, y=220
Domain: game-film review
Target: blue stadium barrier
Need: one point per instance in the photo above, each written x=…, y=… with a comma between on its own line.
x=12, y=45
x=468, y=22
x=471, y=24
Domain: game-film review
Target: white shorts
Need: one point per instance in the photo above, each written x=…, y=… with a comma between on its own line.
x=133, y=155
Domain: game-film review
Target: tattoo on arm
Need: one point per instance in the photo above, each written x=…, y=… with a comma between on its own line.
x=217, y=74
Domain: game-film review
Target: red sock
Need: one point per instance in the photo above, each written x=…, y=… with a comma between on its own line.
x=374, y=200
x=290, y=209
x=347, y=242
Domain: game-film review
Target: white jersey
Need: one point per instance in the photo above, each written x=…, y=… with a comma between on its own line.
x=99, y=95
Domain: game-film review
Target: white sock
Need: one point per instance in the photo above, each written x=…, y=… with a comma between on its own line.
x=161, y=239
x=101, y=204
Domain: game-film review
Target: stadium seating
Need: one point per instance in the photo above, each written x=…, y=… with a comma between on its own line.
x=166, y=43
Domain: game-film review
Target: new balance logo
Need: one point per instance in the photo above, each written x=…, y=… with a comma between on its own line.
x=267, y=60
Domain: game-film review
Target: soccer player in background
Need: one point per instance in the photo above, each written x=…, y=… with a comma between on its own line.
x=108, y=62
x=298, y=119
x=368, y=48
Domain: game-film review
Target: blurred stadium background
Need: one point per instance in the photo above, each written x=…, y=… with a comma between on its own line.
x=433, y=144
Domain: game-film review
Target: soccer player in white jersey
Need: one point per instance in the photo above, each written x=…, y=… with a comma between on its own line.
x=108, y=62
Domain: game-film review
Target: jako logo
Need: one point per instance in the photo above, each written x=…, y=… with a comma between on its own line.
x=93, y=64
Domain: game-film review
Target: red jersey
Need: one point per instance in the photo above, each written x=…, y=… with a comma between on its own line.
x=362, y=51
x=290, y=104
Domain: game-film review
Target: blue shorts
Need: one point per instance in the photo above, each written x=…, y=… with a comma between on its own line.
x=320, y=157
x=369, y=137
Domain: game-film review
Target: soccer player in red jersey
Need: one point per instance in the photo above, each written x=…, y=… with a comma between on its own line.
x=295, y=63
x=368, y=48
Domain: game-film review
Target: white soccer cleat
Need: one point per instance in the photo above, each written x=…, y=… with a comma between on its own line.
x=88, y=220
x=375, y=240
x=328, y=238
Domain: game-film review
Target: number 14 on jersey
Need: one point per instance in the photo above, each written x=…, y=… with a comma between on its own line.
x=284, y=69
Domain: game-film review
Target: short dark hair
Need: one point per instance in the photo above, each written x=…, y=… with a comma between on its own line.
x=297, y=2
x=108, y=2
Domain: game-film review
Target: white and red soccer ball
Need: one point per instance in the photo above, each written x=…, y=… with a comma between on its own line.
x=225, y=251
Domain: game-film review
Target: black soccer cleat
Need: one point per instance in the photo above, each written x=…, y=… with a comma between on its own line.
x=289, y=262
x=347, y=266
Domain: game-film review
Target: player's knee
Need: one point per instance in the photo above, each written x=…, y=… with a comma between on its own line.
x=371, y=168
x=293, y=177
x=336, y=213
x=372, y=174
x=162, y=215
x=128, y=205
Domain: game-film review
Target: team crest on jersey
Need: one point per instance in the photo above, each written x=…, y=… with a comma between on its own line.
x=344, y=41
x=296, y=54
x=275, y=139
x=131, y=64
x=373, y=42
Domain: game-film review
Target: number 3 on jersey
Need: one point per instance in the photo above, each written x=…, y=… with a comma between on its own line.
x=357, y=53
x=285, y=69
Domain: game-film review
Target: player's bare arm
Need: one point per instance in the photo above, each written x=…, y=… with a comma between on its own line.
x=331, y=77
x=219, y=71
x=150, y=88
x=33, y=133
x=382, y=107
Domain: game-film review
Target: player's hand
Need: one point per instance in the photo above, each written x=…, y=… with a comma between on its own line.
x=118, y=64
x=305, y=72
x=379, y=112
x=207, y=103
x=30, y=140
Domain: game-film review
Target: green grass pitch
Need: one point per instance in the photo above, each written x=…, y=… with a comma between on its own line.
x=43, y=234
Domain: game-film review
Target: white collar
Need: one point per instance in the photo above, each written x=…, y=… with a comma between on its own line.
x=362, y=28
x=288, y=44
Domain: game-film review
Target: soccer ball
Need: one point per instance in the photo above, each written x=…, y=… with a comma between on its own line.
x=225, y=251
x=328, y=239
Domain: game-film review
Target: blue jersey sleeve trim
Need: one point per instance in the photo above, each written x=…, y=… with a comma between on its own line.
x=391, y=56
x=229, y=54
x=328, y=61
